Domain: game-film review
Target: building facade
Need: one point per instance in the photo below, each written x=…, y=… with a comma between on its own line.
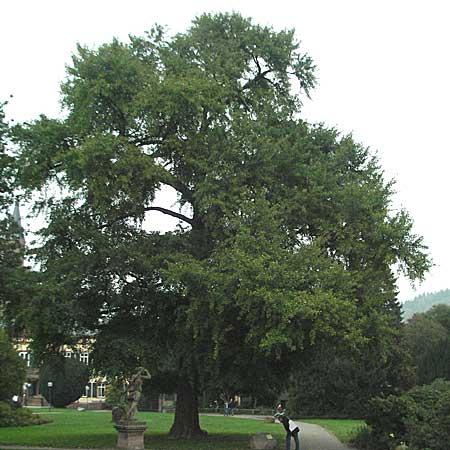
x=95, y=391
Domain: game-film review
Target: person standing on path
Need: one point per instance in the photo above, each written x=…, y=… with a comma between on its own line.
x=290, y=426
x=226, y=408
x=232, y=406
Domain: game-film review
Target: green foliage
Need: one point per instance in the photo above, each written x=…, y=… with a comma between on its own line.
x=440, y=314
x=386, y=419
x=7, y=167
x=12, y=373
x=11, y=251
x=427, y=336
x=428, y=425
x=424, y=302
x=420, y=418
x=69, y=377
x=285, y=237
x=12, y=273
x=334, y=383
x=18, y=417
x=114, y=394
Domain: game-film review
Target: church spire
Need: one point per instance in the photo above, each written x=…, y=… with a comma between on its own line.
x=18, y=220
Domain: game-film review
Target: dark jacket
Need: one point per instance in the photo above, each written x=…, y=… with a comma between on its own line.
x=285, y=421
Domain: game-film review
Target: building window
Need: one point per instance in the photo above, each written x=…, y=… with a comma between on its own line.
x=87, y=390
x=101, y=390
x=93, y=390
x=26, y=356
x=68, y=354
x=84, y=357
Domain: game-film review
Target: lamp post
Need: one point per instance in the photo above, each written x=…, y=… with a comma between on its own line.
x=87, y=397
x=24, y=394
x=50, y=387
x=29, y=393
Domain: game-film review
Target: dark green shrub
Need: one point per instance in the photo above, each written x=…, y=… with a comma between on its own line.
x=12, y=370
x=386, y=420
x=69, y=377
x=7, y=418
x=18, y=417
x=420, y=418
x=428, y=425
x=114, y=395
x=363, y=440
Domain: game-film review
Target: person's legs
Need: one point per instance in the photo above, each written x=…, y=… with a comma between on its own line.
x=297, y=443
x=288, y=440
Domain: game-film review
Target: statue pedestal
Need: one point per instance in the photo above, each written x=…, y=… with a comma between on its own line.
x=131, y=435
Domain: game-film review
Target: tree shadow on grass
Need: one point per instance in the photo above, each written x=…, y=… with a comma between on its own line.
x=211, y=442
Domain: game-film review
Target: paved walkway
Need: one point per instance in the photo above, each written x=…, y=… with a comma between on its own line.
x=312, y=437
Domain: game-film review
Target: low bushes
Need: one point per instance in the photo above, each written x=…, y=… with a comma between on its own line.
x=420, y=418
x=17, y=416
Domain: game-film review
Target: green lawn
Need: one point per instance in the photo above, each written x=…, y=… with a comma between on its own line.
x=91, y=429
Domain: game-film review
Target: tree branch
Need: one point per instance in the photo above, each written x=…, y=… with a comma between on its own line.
x=260, y=76
x=256, y=61
x=172, y=181
x=151, y=208
x=171, y=213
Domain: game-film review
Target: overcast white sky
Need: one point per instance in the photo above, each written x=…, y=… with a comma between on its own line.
x=384, y=75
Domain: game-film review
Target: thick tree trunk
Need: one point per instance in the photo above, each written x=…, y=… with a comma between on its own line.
x=186, y=424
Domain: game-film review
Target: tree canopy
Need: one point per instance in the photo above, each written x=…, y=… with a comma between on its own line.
x=427, y=336
x=12, y=374
x=285, y=238
x=11, y=236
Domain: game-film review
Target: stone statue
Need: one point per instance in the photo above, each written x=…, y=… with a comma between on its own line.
x=133, y=393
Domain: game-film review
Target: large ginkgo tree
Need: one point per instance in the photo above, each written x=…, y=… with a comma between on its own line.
x=285, y=233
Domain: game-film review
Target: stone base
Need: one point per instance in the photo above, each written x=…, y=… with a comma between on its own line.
x=131, y=435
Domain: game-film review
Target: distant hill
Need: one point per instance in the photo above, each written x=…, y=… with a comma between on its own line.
x=424, y=302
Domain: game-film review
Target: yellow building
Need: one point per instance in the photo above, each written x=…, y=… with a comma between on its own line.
x=95, y=391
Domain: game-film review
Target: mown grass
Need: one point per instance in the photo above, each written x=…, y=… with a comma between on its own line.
x=93, y=429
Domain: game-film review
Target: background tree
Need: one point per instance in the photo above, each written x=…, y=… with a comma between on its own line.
x=11, y=252
x=336, y=383
x=424, y=302
x=69, y=377
x=285, y=237
x=6, y=162
x=427, y=336
x=441, y=314
x=12, y=375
